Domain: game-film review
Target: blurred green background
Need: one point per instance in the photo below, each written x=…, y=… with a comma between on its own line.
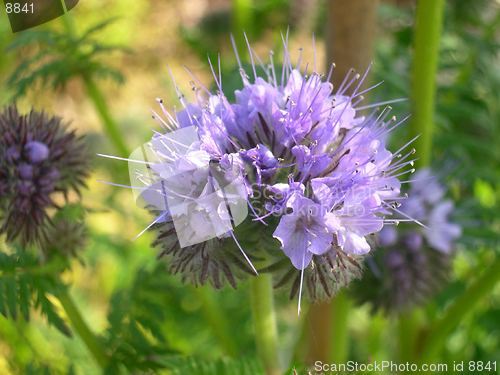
x=122, y=291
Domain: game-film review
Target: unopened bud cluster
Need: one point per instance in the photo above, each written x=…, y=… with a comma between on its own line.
x=40, y=158
x=412, y=259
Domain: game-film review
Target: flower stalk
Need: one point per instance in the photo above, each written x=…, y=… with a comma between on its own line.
x=242, y=19
x=110, y=125
x=340, y=331
x=428, y=24
x=95, y=94
x=216, y=320
x=264, y=319
x=84, y=332
x=435, y=336
x=429, y=20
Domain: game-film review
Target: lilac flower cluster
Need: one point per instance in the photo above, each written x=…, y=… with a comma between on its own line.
x=412, y=259
x=314, y=175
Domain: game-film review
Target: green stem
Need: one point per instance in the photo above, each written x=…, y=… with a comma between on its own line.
x=216, y=320
x=242, y=19
x=409, y=330
x=340, y=328
x=109, y=124
x=429, y=20
x=378, y=325
x=98, y=98
x=437, y=333
x=79, y=325
x=264, y=320
x=319, y=332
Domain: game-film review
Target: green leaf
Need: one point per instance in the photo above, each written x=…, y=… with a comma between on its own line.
x=3, y=306
x=61, y=57
x=12, y=296
x=24, y=296
x=49, y=309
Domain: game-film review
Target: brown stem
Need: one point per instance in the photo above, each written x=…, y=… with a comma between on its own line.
x=350, y=36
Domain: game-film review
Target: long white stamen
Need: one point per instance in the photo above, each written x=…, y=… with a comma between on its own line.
x=125, y=159
x=246, y=257
x=301, y=281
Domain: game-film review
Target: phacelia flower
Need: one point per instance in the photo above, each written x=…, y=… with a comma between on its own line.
x=40, y=158
x=412, y=260
x=292, y=154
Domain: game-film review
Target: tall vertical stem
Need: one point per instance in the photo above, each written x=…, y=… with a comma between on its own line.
x=319, y=332
x=84, y=332
x=428, y=25
x=110, y=125
x=264, y=320
x=340, y=332
x=409, y=330
x=350, y=38
x=217, y=320
x=242, y=19
x=95, y=94
x=429, y=20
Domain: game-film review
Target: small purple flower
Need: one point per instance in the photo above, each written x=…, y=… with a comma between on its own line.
x=442, y=233
x=306, y=231
x=262, y=160
x=426, y=204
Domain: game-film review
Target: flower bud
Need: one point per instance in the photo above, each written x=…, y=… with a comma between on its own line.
x=25, y=188
x=26, y=172
x=37, y=152
x=12, y=155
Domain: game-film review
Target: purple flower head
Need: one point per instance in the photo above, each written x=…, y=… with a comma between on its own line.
x=314, y=174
